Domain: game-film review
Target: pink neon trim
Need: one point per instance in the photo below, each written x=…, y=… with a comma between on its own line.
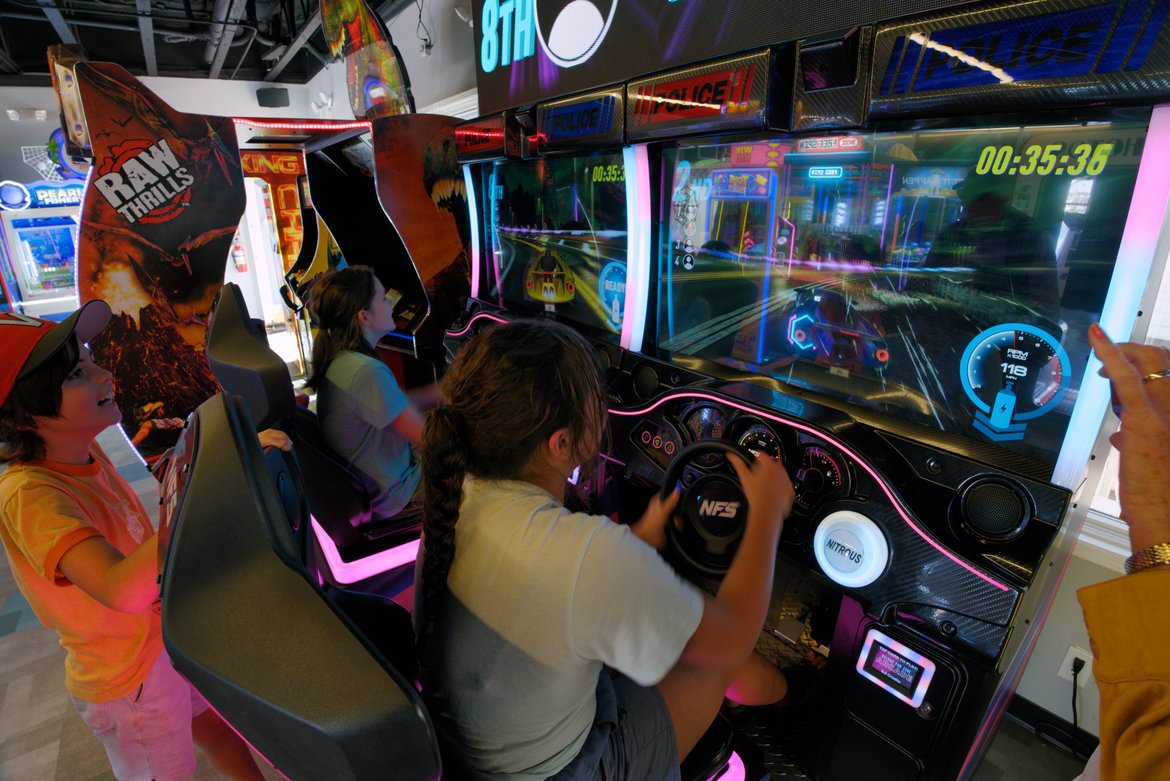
x=638, y=250
x=473, y=206
x=375, y=564
x=471, y=322
x=821, y=435
x=302, y=125
x=734, y=771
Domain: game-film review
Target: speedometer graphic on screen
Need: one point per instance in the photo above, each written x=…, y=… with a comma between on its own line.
x=1013, y=373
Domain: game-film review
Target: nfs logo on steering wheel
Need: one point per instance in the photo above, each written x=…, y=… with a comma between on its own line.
x=570, y=31
x=712, y=508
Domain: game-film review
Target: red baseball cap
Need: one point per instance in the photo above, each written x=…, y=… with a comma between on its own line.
x=27, y=342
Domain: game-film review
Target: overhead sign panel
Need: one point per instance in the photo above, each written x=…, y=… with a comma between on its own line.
x=487, y=138
x=1014, y=56
x=729, y=94
x=588, y=120
x=532, y=50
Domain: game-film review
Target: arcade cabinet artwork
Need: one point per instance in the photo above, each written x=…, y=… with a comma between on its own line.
x=159, y=214
x=281, y=170
x=421, y=189
x=378, y=86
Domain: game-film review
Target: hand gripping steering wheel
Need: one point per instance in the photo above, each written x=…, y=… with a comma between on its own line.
x=714, y=511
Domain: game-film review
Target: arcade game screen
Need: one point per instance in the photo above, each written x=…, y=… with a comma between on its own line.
x=557, y=234
x=942, y=276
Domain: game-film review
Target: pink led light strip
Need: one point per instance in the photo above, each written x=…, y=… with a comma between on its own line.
x=302, y=125
x=375, y=564
x=821, y=435
x=802, y=427
x=734, y=771
x=471, y=322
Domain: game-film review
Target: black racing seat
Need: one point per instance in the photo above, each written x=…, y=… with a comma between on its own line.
x=353, y=549
x=318, y=694
x=322, y=682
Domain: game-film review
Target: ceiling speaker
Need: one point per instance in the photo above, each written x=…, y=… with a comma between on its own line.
x=272, y=97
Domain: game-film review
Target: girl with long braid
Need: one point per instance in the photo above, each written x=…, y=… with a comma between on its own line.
x=365, y=417
x=525, y=607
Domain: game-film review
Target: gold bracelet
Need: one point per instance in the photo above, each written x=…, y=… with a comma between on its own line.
x=1148, y=557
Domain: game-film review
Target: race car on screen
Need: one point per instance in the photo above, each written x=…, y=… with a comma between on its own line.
x=549, y=280
x=823, y=328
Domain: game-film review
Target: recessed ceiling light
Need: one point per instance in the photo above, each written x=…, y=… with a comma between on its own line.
x=27, y=114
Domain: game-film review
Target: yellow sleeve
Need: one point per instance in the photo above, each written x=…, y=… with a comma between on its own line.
x=44, y=522
x=1129, y=628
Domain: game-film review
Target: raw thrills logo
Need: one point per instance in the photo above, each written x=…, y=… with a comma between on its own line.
x=145, y=182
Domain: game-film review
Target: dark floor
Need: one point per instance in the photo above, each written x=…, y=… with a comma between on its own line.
x=1016, y=753
x=43, y=739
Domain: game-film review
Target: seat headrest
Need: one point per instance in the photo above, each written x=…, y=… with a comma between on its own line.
x=244, y=364
x=261, y=642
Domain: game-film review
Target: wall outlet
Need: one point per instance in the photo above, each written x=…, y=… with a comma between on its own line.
x=1076, y=652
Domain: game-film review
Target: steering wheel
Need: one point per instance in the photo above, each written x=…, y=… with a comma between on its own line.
x=714, y=511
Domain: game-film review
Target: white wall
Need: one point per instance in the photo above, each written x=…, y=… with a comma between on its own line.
x=450, y=68
x=14, y=135
x=223, y=98
x=1066, y=626
x=196, y=96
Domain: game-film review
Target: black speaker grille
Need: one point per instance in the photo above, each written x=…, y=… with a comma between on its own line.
x=995, y=509
x=645, y=381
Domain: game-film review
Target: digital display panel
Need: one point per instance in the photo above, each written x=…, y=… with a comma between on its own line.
x=898, y=671
x=530, y=50
x=946, y=277
x=895, y=667
x=556, y=234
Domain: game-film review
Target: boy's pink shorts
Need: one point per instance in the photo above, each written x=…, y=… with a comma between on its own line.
x=147, y=734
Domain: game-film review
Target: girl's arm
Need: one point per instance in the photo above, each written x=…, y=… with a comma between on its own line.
x=426, y=397
x=128, y=584
x=409, y=424
x=732, y=620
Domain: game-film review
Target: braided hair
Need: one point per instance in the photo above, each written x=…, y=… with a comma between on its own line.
x=335, y=299
x=507, y=391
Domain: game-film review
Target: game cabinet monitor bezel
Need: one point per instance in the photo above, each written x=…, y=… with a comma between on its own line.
x=571, y=267
x=859, y=271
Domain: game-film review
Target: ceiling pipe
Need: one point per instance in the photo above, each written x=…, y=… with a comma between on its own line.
x=218, y=17
x=146, y=33
x=228, y=34
x=53, y=14
x=388, y=7
x=130, y=28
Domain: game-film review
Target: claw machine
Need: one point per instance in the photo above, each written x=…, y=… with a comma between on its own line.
x=38, y=249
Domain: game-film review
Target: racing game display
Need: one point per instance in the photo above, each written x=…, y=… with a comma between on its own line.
x=557, y=233
x=942, y=276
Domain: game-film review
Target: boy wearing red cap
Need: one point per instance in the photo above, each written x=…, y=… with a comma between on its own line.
x=84, y=553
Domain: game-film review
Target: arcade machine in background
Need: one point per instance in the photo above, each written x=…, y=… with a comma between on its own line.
x=38, y=250
x=267, y=243
x=909, y=341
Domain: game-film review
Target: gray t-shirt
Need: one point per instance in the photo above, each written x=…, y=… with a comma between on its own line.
x=540, y=599
x=356, y=404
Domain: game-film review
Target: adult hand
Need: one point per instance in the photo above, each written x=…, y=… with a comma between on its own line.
x=651, y=527
x=1143, y=441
